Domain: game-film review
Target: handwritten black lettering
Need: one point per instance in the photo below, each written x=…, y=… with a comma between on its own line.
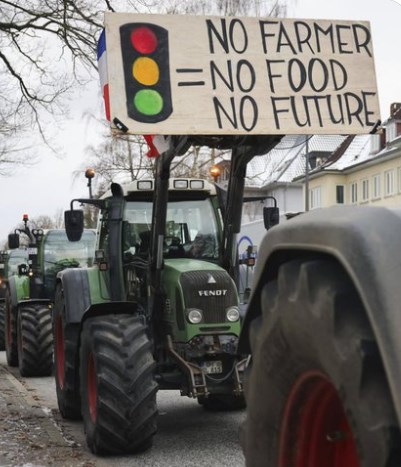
x=241, y=78
x=228, y=80
x=270, y=73
x=313, y=74
x=301, y=74
x=236, y=38
x=252, y=111
x=303, y=34
x=218, y=108
x=362, y=38
x=341, y=42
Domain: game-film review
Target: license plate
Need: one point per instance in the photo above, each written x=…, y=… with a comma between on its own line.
x=213, y=368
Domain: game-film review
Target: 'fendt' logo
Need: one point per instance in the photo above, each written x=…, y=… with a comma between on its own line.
x=212, y=293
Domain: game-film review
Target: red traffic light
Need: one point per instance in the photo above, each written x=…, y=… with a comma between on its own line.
x=144, y=40
x=25, y=217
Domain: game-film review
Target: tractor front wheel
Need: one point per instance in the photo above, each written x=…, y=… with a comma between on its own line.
x=66, y=338
x=2, y=325
x=317, y=393
x=35, y=340
x=118, y=388
x=10, y=333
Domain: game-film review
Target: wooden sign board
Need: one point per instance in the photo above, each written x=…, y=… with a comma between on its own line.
x=174, y=74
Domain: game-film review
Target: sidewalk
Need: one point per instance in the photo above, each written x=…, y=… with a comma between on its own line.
x=29, y=436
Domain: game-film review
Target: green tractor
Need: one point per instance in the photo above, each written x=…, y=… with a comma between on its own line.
x=31, y=274
x=3, y=261
x=158, y=310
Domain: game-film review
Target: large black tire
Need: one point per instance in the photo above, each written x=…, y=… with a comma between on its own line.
x=118, y=388
x=35, y=340
x=66, y=339
x=222, y=402
x=10, y=332
x=317, y=393
x=2, y=325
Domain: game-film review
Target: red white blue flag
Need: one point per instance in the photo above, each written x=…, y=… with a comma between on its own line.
x=102, y=67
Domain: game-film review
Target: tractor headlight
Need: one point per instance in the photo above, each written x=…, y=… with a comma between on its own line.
x=232, y=314
x=195, y=316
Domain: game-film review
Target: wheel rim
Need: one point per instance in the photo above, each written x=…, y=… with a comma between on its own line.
x=60, y=363
x=315, y=430
x=92, y=388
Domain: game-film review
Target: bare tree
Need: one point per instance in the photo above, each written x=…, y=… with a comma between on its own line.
x=47, y=48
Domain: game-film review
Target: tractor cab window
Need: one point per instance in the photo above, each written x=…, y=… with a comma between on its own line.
x=59, y=253
x=15, y=258
x=191, y=229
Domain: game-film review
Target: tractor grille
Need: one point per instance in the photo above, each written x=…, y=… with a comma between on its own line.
x=210, y=291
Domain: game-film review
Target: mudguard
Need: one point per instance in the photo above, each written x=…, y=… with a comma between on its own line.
x=19, y=289
x=366, y=241
x=86, y=294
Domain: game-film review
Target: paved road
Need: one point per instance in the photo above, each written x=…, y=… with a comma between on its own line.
x=32, y=433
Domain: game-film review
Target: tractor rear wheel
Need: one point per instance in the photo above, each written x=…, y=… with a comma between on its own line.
x=317, y=393
x=35, y=340
x=10, y=333
x=66, y=338
x=118, y=388
x=2, y=325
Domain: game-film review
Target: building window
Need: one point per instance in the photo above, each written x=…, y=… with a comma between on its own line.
x=315, y=198
x=340, y=194
x=354, y=193
x=389, y=182
x=365, y=190
x=376, y=186
x=399, y=179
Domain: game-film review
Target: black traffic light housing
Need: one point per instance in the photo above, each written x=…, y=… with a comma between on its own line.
x=145, y=54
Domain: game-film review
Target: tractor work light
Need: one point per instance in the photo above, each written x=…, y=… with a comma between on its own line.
x=232, y=314
x=196, y=184
x=146, y=71
x=215, y=171
x=180, y=184
x=145, y=185
x=195, y=316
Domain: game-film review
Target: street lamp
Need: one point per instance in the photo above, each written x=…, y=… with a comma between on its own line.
x=89, y=174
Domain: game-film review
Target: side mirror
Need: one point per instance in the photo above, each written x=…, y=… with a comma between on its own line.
x=74, y=224
x=13, y=241
x=271, y=217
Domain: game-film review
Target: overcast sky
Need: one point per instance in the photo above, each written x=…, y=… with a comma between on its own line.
x=49, y=185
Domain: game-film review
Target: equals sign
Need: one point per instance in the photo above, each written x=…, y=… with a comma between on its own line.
x=190, y=83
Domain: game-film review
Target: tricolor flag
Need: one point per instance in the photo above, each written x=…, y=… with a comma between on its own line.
x=102, y=66
x=157, y=144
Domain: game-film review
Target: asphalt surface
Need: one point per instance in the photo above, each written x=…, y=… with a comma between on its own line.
x=32, y=433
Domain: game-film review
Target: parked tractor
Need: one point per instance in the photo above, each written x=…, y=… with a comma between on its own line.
x=323, y=326
x=31, y=274
x=3, y=260
x=158, y=310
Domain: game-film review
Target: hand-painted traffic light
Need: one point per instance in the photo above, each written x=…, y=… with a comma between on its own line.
x=146, y=71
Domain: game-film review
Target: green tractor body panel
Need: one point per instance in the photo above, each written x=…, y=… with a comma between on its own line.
x=195, y=284
x=20, y=287
x=99, y=291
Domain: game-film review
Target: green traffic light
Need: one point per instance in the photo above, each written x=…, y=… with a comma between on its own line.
x=148, y=102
